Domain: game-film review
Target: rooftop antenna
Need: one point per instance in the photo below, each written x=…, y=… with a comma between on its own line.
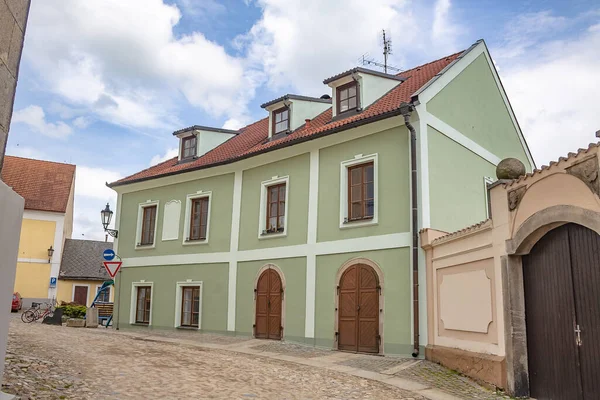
x=365, y=59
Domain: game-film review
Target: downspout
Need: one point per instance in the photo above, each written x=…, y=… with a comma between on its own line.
x=405, y=110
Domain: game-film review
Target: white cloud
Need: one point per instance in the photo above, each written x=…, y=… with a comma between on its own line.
x=90, y=182
x=203, y=8
x=81, y=122
x=553, y=87
x=298, y=43
x=170, y=153
x=124, y=62
x=35, y=118
x=444, y=31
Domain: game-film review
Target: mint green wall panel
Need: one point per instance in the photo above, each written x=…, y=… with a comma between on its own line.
x=214, y=279
x=395, y=264
x=456, y=186
x=394, y=200
x=294, y=271
x=220, y=218
x=472, y=104
x=297, y=168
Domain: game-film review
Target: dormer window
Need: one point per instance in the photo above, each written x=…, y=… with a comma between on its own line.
x=347, y=97
x=188, y=147
x=281, y=120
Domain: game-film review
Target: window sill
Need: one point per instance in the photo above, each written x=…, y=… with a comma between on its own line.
x=188, y=328
x=194, y=242
x=273, y=235
x=139, y=324
x=145, y=246
x=359, y=223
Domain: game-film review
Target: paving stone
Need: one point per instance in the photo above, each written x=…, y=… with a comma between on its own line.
x=292, y=349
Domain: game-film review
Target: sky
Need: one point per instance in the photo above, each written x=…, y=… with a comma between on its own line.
x=103, y=84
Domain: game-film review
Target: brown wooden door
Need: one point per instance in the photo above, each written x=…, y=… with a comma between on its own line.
x=269, y=296
x=358, y=310
x=80, y=296
x=562, y=294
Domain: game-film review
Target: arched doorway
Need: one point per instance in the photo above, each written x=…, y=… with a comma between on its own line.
x=561, y=277
x=358, y=309
x=269, y=297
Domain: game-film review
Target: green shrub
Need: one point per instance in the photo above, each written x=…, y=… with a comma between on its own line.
x=73, y=310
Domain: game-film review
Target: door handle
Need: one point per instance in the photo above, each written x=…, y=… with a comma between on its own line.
x=578, y=335
x=358, y=307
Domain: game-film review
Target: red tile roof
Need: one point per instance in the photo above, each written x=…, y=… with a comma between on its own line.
x=252, y=138
x=44, y=185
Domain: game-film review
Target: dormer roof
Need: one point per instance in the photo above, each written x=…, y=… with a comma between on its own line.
x=295, y=97
x=398, y=77
x=204, y=128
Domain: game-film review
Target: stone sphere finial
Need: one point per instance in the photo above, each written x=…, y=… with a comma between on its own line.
x=510, y=168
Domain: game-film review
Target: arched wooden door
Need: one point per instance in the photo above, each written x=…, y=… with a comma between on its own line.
x=269, y=293
x=561, y=277
x=358, y=310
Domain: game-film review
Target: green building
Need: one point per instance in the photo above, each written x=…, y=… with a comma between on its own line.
x=299, y=226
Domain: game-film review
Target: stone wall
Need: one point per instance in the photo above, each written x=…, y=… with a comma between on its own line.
x=13, y=20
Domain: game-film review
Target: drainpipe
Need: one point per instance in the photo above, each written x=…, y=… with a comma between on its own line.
x=405, y=110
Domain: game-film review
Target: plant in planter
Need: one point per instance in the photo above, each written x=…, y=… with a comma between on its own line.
x=73, y=310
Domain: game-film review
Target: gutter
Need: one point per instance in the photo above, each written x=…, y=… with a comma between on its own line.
x=405, y=110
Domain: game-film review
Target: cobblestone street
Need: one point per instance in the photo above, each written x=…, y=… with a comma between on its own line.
x=50, y=362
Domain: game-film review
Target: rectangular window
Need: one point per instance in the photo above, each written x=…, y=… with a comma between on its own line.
x=347, y=97
x=199, y=219
x=276, y=208
x=142, y=313
x=281, y=120
x=148, y=225
x=188, y=147
x=361, y=193
x=190, y=306
x=104, y=296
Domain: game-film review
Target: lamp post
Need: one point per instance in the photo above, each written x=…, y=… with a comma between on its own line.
x=106, y=215
x=50, y=253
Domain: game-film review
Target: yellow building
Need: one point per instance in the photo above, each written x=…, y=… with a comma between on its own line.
x=48, y=189
x=82, y=273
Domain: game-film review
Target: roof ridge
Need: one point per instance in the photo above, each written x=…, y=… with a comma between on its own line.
x=37, y=159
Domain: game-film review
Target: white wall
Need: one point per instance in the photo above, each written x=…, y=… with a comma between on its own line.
x=305, y=109
x=208, y=140
x=373, y=87
x=11, y=215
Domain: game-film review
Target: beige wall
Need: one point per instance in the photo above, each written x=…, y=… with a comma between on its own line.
x=65, y=290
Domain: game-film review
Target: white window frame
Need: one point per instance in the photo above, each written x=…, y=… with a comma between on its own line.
x=138, y=232
x=344, y=166
x=109, y=292
x=188, y=214
x=262, y=215
x=178, y=299
x=87, y=299
x=487, y=180
x=133, y=304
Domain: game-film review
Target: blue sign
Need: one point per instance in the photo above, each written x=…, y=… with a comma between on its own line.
x=108, y=254
x=52, y=282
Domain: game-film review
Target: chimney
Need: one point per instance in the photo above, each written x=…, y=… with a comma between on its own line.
x=307, y=123
x=598, y=134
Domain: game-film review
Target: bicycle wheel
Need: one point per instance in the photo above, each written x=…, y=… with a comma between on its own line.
x=28, y=316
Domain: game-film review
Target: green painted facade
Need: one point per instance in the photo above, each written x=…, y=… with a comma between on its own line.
x=395, y=265
x=214, y=279
x=297, y=168
x=294, y=279
x=473, y=105
x=220, y=219
x=394, y=200
x=456, y=187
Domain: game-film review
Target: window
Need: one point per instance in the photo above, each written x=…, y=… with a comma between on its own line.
x=104, y=296
x=281, y=120
x=148, y=225
x=276, y=208
x=188, y=147
x=347, y=97
x=361, y=194
x=274, y=201
x=190, y=306
x=142, y=313
x=199, y=219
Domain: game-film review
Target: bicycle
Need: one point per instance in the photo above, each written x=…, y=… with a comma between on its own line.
x=35, y=312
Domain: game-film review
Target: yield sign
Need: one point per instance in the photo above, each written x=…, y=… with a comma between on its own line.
x=112, y=267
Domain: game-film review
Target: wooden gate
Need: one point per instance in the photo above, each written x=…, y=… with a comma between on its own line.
x=562, y=301
x=358, y=310
x=269, y=292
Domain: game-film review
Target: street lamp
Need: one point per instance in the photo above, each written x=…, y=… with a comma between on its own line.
x=106, y=215
x=50, y=252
